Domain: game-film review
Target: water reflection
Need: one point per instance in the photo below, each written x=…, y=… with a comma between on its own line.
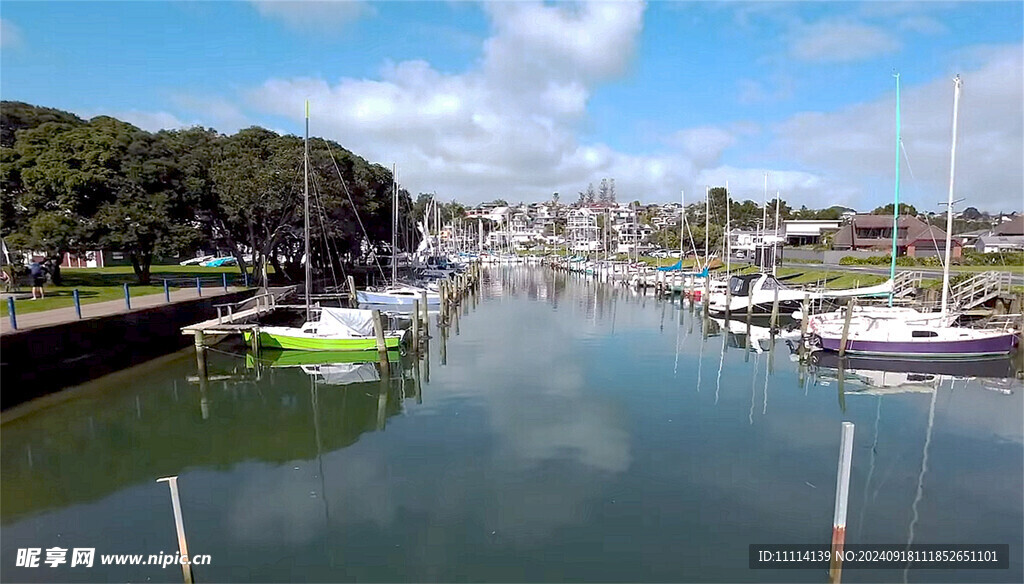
x=560, y=430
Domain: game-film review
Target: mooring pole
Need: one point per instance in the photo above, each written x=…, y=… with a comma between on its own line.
x=378, y=329
x=416, y=324
x=224, y=280
x=199, y=286
x=167, y=291
x=842, y=496
x=127, y=298
x=186, y=568
x=10, y=312
x=78, y=302
x=353, y=298
x=426, y=313
x=846, y=326
x=775, y=312
x=805, y=307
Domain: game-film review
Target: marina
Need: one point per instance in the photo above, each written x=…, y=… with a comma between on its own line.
x=604, y=418
x=512, y=291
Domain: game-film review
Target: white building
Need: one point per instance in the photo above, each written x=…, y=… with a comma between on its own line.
x=582, y=231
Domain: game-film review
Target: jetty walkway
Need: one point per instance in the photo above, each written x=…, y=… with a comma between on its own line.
x=55, y=316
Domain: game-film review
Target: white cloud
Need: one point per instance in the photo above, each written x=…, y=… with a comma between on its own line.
x=506, y=127
x=854, y=145
x=313, y=17
x=776, y=88
x=222, y=114
x=10, y=35
x=923, y=24
x=149, y=121
x=837, y=41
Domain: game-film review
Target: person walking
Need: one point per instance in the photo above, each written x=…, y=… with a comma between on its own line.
x=37, y=272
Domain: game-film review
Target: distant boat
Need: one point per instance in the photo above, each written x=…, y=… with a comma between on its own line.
x=759, y=290
x=398, y=295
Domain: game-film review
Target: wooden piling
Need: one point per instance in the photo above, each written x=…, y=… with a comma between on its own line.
x=426, y=312
x=846, y=326
x=416, y=324
x=353, y=297
x=378, y=329
x=805, y=307
x=775, y=312
x=200, y=354
x=842, y=496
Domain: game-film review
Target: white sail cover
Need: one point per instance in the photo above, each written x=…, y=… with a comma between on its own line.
x=351, y=321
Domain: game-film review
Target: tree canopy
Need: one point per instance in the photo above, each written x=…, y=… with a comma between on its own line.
x=70, y=185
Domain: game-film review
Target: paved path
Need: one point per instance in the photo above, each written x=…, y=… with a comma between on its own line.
x=61, y=315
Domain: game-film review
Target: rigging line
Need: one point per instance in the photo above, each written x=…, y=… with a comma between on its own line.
x=355, y=211
x=321, y=216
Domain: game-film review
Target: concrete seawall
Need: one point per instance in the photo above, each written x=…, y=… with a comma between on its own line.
x=43, y=360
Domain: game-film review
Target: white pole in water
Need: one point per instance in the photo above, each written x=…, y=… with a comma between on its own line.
x=957, y=84
x=842, y=498
x=186, y=568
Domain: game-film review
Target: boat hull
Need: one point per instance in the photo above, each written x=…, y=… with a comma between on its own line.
x=306, y=343
x=366, y=297
x=993, y=345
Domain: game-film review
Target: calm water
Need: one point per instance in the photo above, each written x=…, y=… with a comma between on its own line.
x=564, y=432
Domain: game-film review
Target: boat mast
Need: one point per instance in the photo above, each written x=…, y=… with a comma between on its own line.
x=896, y=201
x=727, y=247
x=957, y=84
x=394, y=224
x=764, y=216
x=707, y=224
x=682, y=226
x=305, y=167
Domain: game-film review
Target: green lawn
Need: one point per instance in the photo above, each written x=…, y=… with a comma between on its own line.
x=103, y=284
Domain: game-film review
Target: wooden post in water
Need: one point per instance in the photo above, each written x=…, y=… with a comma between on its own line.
x=167, y=292
x=127, y=298
x=78, y=302
x=199, y=286
x=11, y=313
x=750, y=306
x=728, y=299
x=846, y=326
x=416, y=324
x=179, y=526
x=200, y=355
x=426, y=313
x=805, y=307
x=353, y=297
x=775, y=311
x=842, y=496
x=378, y=329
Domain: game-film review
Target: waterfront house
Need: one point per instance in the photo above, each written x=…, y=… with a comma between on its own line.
x=874, y=232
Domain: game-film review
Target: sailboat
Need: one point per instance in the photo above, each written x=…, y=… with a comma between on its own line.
x=905, y=332
x=335, y=329
x=396, y=293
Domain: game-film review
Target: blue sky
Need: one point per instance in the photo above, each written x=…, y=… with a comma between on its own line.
x=518, y=100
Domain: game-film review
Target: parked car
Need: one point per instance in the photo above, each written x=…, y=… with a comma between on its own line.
x=218, y=262
x=197, y=261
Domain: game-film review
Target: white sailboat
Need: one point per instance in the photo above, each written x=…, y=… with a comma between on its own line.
x=397, y=294
x=904, y=332
x=335, y=329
